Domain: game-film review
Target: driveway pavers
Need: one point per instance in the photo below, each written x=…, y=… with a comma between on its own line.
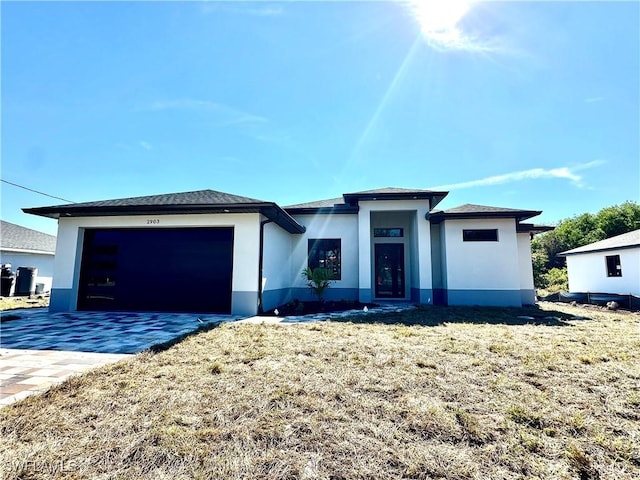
x=99, y=332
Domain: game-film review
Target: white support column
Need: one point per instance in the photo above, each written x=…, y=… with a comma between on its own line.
x=364, y=255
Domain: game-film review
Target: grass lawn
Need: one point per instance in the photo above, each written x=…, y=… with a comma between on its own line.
x=11, y=303
x=439, y=392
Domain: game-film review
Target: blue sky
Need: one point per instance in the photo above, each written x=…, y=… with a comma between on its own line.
x=530, y=105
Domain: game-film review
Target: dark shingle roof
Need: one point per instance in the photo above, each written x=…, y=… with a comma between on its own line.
x=469, y=210
x=200, y=197
x=201, y=201
x=319, y=203
x=349, y=201
x=626, y=240
x=14, y=236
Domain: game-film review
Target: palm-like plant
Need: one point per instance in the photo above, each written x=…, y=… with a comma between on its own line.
x=318, y=280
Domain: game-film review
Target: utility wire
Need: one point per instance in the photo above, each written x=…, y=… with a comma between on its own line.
x=36, y=191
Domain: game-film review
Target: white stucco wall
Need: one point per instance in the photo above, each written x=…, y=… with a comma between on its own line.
x=344, y=227
x=483, y=266
x=276, y=265
x=588, y=272
x=43, y=262
x=245, y=248
x=524, y=259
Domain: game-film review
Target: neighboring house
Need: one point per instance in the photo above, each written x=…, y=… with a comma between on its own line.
x=607, y=266
x=210, y=251
x=24, y=247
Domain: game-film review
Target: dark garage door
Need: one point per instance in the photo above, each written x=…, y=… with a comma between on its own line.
x=161, y=269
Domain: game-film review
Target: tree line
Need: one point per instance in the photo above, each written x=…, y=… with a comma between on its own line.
x=549, y=270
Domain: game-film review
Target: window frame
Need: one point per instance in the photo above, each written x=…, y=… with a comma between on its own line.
x=480, y=235
x=388, y=232
x=613, y=265
x=316, y=247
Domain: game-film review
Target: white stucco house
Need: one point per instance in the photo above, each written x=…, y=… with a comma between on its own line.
x=607, y=266
x=24, y=247
x=210, y=251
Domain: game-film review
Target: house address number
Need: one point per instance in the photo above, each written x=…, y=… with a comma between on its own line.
x=153, y=221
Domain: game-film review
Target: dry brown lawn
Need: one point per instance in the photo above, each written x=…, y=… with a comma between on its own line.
x=455, y=393
x=11, y=303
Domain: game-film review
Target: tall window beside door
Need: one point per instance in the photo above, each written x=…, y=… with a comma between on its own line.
x=325, y=253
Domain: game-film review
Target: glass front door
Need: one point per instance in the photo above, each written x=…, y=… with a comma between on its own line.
x=389, y=268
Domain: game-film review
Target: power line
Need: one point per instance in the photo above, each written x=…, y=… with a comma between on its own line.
x=36, y=191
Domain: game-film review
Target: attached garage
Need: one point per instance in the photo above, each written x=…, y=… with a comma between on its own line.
x=164, y=269
x=193, y=252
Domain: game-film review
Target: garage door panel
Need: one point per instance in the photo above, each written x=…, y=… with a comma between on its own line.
x=181, y=270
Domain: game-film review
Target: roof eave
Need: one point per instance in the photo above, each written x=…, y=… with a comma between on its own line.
x=335, y=210
x=519, y=216
x=270, y=210
x=351, y=198
x=598, y=250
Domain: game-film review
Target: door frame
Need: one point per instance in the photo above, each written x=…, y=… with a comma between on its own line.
x=402, y=265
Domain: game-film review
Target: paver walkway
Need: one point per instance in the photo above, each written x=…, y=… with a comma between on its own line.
x=26, y=372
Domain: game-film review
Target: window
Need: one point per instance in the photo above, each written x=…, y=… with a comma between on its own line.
x=482, y=235
x=614, y=269
x=325, y=253
x=388, y=232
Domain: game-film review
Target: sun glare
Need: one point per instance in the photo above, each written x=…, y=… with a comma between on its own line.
x=439, y=19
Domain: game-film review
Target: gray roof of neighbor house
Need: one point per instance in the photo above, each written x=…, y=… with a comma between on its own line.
x=15, y=237
x=470, y=210
x=201, y=201
x=626, y=240
x=348, y=203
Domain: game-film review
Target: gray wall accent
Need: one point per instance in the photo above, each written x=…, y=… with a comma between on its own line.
x=436, y=256
x=528, y=296
x=426, y=296
x=62, y=300
x=415, y=295
x=331, y=294
x=365, y=295
x=439, y=296
x=422, y=296
x=274, y=298
x=496, y=298
x=244, y=303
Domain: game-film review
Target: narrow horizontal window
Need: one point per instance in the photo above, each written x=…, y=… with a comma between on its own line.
x=614, y=267
x=480, y=235
x=388, y=232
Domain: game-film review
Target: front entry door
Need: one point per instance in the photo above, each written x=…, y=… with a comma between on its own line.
x=389, y=267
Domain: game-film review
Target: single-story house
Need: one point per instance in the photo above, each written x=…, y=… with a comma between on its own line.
x=24, y=247
x=211, y=251
x=607, y=266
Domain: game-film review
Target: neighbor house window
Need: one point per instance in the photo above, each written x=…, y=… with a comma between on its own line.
x=388, y=232
x=480, y=235
x=614, y=269
x=326, y=254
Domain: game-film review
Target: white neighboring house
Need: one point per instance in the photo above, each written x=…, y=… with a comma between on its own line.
x=607, y=266
x=24, y=247
x=209, y=251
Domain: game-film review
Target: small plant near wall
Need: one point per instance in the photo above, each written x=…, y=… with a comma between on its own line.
x=318, y=280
